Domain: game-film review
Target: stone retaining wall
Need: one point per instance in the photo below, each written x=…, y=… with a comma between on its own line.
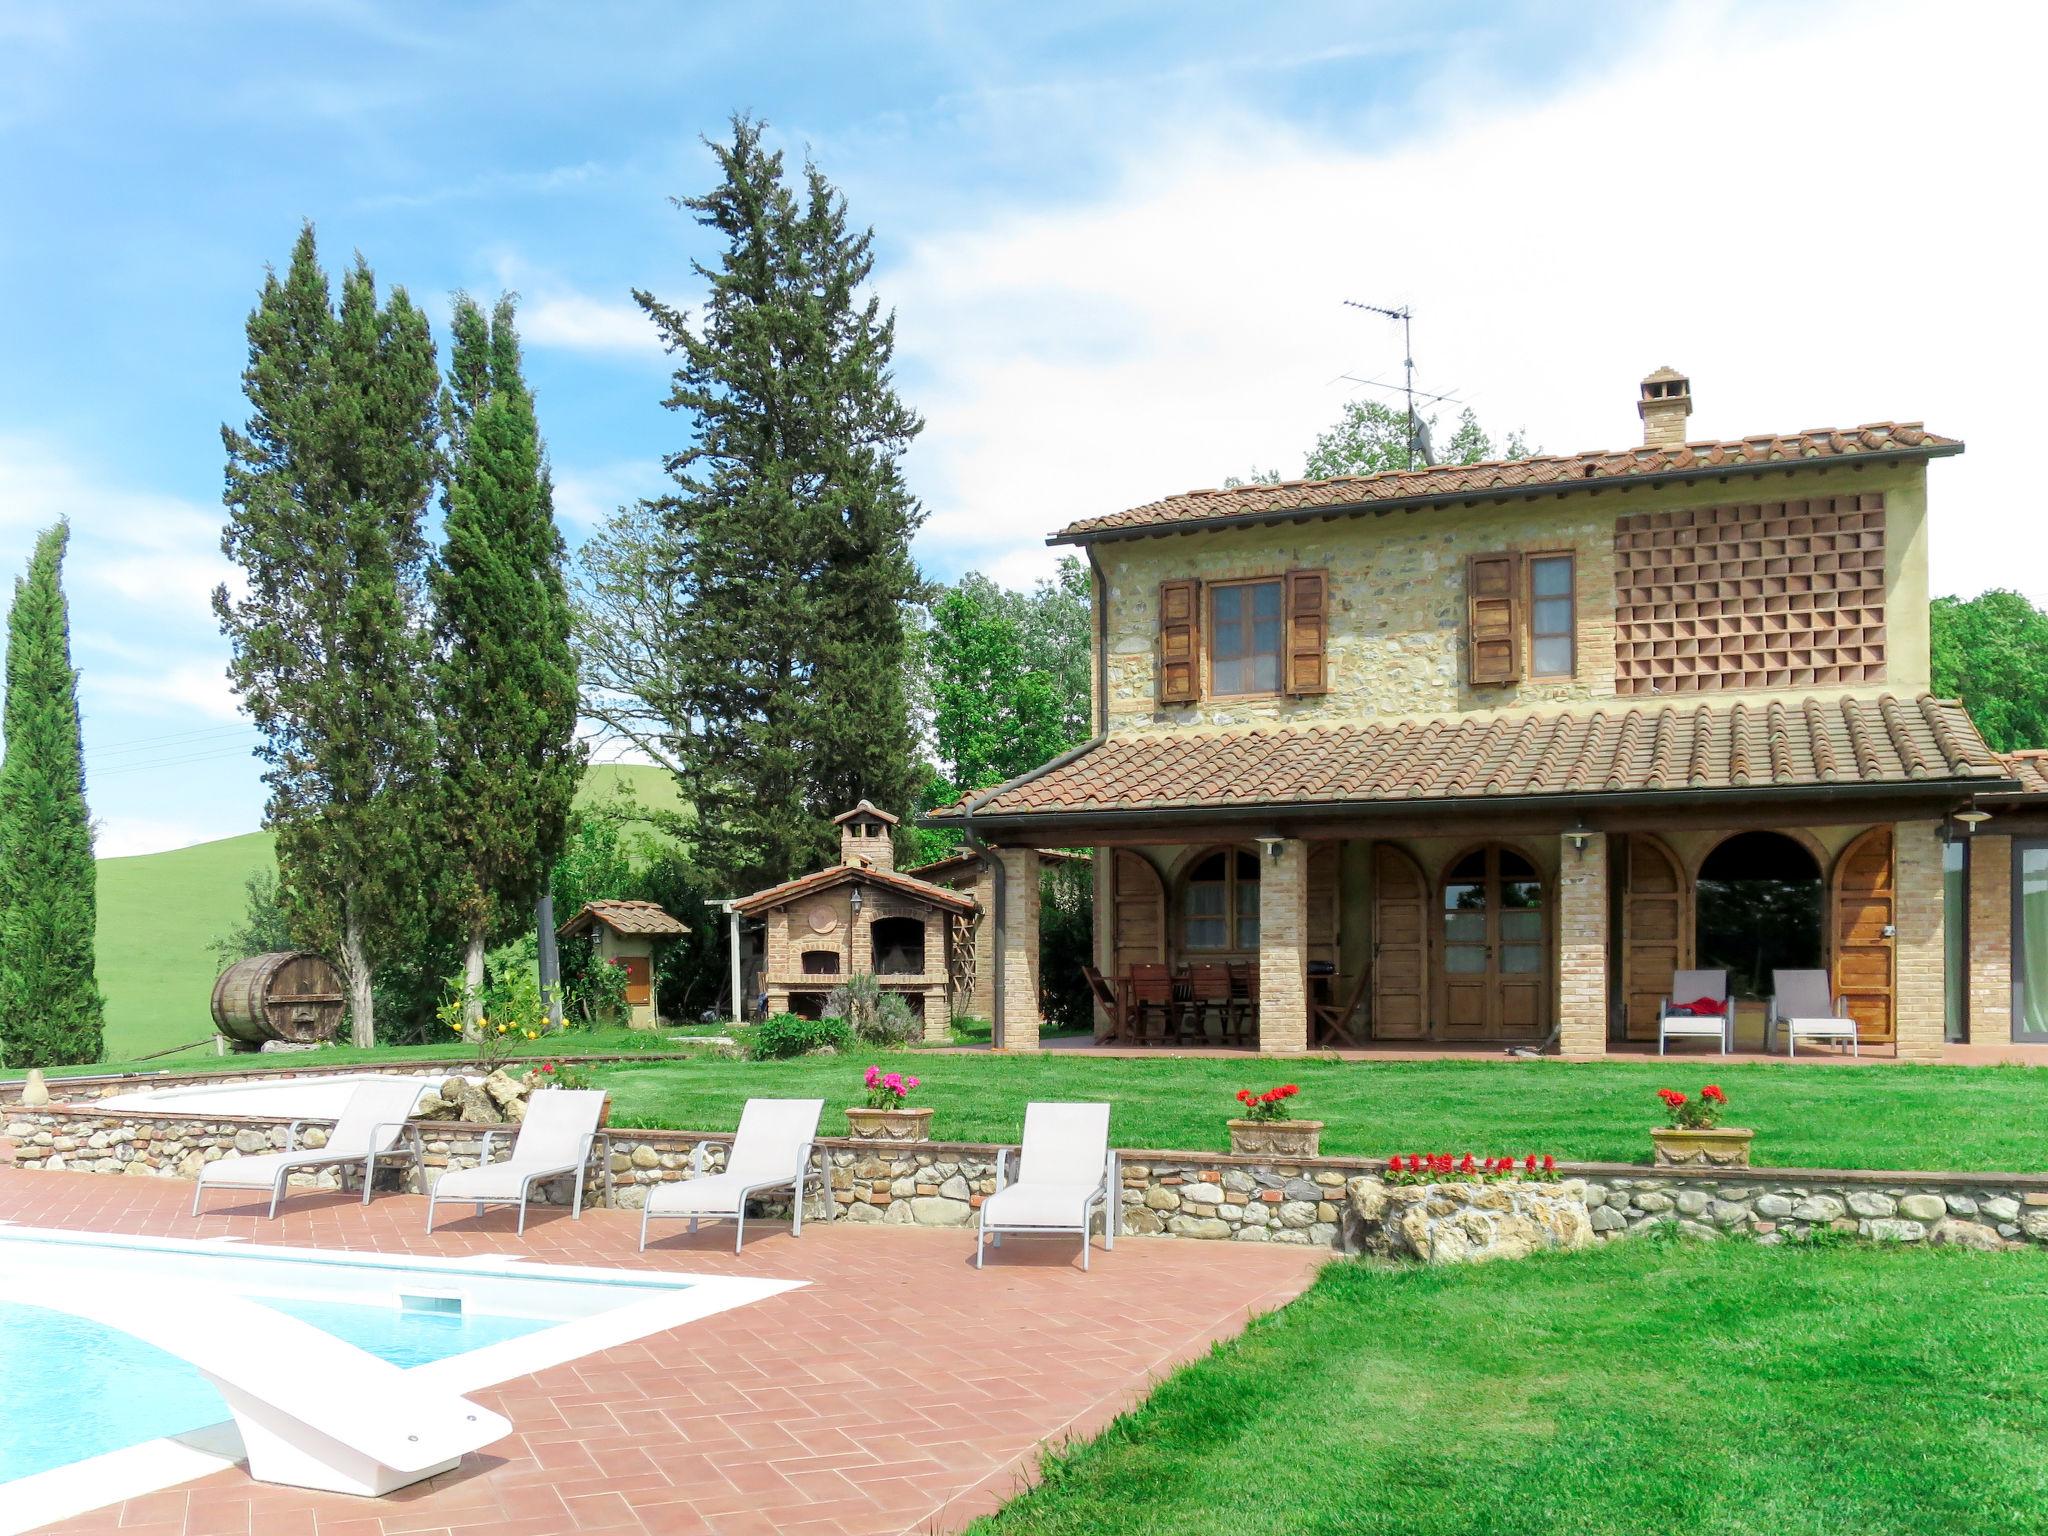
x=73, y=1090
x=1206, y=1196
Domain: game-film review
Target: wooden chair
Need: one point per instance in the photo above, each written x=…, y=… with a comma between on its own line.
x=1244, y=992
x=1210, y=994
x=1331, y=1020
x=1112, y=1007
x=1153, y=1009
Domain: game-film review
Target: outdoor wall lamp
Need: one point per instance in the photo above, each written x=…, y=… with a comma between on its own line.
x=1970, y=816
x=1272, y=847
x=854, y=899
x=1578, y=835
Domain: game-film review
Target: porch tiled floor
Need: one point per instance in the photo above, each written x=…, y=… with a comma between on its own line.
x=899, y=1391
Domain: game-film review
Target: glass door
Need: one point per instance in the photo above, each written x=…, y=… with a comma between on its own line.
x=1495, y=955
x=2030, y=942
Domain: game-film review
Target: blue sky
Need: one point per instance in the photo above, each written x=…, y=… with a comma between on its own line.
x=1117, y=238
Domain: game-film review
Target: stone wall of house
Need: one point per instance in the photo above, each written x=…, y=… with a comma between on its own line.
x=1199, y=1195
x=1397, y=598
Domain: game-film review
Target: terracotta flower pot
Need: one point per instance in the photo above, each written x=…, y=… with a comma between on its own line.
x=1276, y=1138
x=889, y=1124
x=1721, y=1147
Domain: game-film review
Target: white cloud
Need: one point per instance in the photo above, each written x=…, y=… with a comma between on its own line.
x=1818, y=216
x=120, y=837
x=585, y=497
x=188, y=690
x=579, y=322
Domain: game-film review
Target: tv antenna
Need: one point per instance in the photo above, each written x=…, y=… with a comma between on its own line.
x=1418, y=446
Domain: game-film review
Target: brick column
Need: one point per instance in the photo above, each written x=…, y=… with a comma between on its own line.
x=1018, y=957
x=980, y=1002
x=1283, y=948
x=1988, y=962
x=1582, y=946
x=1919, y=961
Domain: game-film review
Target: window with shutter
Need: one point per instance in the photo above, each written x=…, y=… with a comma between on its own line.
x=1308, y=632
x=1493, y=622
x=1180, y=608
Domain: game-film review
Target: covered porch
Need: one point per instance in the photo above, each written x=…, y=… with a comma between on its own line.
x=1541, y=888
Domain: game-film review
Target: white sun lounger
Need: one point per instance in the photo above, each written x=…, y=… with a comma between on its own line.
x=554, y=1142
x=770, y=1150
x=369, y=1127
x=314, y=1412
x=1690, y=986
x=1802, y=1009
x=1066, y=1174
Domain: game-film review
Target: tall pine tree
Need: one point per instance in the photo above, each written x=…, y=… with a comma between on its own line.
x=50, y=1007
x=326, y=486
x=789, y=531
x=504, y=679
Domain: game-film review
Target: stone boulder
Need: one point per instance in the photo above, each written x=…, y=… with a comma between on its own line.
x=1467, y=1223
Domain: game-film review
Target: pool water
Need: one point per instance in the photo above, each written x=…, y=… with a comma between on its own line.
x=75, y=1389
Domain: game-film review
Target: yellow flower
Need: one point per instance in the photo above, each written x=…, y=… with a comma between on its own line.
x=501, y=1029
x=533, y=1034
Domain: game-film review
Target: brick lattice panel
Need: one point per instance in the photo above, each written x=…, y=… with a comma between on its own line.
x=1783, y=594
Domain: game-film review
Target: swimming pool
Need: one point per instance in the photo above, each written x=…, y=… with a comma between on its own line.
x=89, y=1414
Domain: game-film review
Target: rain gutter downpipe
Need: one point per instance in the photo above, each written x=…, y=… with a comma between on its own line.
x=1001, y=876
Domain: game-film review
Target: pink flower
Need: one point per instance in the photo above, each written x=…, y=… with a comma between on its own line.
x=910, y=1083
x=874, y=1076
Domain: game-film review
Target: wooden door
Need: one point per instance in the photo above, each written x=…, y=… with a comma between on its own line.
x=639, y=980
x=1656, y=930
x=1400, y=946
x=1495, y=954
x=1865, y=910
x=1138, y=932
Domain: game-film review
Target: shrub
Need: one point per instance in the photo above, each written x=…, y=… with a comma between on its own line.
x=876, y=1017
x=785, y=1035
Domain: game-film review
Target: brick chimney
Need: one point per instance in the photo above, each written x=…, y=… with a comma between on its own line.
x=1666, y=402
x=867, y=836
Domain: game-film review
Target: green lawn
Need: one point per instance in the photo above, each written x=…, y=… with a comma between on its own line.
x=1714, y=1390
x=159, y=913
x=1989, y=1118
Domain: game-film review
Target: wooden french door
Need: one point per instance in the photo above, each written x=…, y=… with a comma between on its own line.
x=1656, y=931
x=1400, y=946
x=1865, y=912
x=1494, y=949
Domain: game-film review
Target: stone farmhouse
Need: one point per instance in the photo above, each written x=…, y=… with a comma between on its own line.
x=1481, y=755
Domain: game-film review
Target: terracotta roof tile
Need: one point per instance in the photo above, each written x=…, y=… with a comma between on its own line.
x=1497, y=477
x=626, y=917
x=823, y=879
x=1611, y=748
x=2030, y=768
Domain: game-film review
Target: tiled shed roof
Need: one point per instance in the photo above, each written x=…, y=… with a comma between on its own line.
x=1612, y=749
x=640, y=917
x=824, y=879
x=1506, y=477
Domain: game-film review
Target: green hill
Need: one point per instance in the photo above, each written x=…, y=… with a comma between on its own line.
x=160, y=913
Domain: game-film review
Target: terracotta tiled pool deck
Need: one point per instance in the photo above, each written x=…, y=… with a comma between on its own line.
x=899, y=1391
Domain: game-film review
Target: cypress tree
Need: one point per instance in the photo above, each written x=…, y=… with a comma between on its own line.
x=788, y=532
x=326, y=485
x=504, y=679
x=50, y=1007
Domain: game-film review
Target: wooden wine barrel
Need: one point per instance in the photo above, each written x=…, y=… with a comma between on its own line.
x=294, y=996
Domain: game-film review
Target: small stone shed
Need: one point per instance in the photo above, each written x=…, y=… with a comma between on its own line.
x=627, y=931
x=863, y=917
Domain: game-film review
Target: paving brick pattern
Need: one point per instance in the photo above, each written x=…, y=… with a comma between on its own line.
x=900, y=1391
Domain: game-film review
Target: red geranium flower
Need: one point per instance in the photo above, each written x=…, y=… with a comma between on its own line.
x=1467, y=1165
x=1711, y=1092
x=1530, y=1162
x=1549, y=1163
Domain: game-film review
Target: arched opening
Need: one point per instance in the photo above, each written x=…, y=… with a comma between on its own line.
x=899, y=946
x=1758, y=910
x=1219, y=907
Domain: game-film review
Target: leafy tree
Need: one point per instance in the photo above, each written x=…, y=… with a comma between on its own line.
x=777, y=682
x=1370, y=437
x=326, y=485
x=50, y=1006
x=1991, y=651
x=265, y=927
x=503, y=676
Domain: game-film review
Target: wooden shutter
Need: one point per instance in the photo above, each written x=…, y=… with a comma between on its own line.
x=1865, y=910
x=1138, y=927
x=1493, y=618
x=1306, y=668
x=1656, y=931
x=1400, y=946
x=1180, y=642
